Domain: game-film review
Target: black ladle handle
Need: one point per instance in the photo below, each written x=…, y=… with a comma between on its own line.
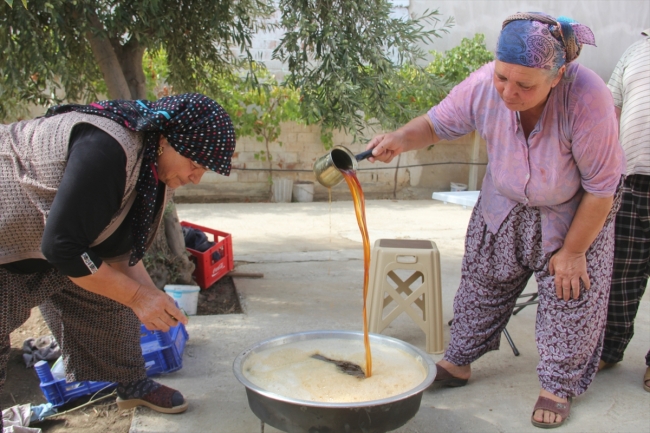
x=363, y=155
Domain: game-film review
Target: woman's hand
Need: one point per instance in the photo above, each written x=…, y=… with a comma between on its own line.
x=569, y=269
x=156, y=309
x=387, y=146
x=132, y=286
x=569, y=264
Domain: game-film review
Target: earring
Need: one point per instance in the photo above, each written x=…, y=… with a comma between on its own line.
x=159, y=151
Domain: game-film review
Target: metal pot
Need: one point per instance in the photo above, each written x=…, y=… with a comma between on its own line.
x=328, y=167
x=301, y=416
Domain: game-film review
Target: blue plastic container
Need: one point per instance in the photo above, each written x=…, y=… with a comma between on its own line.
x=162, y=352
x=59, y=392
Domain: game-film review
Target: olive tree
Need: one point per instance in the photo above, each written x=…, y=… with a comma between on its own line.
x=78, y=49
x=340, y=54
x=343, y=55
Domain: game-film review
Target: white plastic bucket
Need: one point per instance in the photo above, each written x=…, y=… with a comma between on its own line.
x=303, y=191
x=458, y=186
x=186, y=296
x=282, y=190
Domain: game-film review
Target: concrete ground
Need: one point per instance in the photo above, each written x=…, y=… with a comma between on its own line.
x=311, y=258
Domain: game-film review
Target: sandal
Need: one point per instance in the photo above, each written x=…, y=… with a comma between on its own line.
x=556, y=407
x=445, y=378
x=161, y=399
x=646, y=379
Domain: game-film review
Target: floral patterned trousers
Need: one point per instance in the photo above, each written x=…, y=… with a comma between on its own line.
x=496, y=268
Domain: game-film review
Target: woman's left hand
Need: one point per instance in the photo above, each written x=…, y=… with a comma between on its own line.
x=569, y=269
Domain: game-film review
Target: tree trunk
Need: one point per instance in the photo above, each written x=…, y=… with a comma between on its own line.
x=108, y=62
x=131, y=64
x=395, y=180
x=167, y=260
x=268, y=157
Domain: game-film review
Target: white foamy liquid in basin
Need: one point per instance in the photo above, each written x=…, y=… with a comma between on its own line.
x=289, y=370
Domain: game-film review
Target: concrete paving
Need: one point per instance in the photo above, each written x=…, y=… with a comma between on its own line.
x=311, y=258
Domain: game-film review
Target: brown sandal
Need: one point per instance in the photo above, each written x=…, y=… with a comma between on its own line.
x=646, y=379
x=445, y=378
x=556, y=407
x=160, y=400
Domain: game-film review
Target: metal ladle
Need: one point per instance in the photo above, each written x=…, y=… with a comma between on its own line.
x=328, y=167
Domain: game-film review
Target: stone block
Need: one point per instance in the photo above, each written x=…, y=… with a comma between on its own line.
x=284, y=157
x=246, y=157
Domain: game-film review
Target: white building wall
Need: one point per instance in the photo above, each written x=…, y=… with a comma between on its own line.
x=615, y=23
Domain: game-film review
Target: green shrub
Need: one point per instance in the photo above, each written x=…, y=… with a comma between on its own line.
x=457, y=63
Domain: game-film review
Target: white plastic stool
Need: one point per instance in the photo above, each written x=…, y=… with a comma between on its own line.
x=421, y=260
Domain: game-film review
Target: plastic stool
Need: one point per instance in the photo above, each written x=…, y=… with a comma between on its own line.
x=419, y=258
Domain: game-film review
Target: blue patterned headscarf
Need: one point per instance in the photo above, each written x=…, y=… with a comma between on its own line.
x=194, y=125
x=537, y=40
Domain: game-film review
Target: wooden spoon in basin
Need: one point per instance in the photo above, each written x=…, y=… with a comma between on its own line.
x=344, y=366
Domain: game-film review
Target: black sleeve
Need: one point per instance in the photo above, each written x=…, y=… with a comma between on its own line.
x=90, y=194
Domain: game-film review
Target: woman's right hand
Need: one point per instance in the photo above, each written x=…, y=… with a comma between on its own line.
x=132, y=286
x=156, y=309
x=386, y=146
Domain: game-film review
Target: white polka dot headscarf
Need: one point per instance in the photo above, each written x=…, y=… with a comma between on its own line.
x=195, y=126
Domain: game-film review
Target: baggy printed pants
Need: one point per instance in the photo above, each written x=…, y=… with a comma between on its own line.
x=495, y=270
x=99, y=338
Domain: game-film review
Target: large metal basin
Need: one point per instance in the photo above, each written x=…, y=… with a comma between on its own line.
x=302, y=416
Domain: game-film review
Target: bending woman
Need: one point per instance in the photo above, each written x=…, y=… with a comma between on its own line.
x=82, y=193
x=546, y=207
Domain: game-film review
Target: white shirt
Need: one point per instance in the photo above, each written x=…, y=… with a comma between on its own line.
x=630, y=87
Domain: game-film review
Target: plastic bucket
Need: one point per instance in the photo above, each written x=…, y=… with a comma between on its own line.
x=303, y=191
x=458, y=186
x=282, y=190
x=187, y=297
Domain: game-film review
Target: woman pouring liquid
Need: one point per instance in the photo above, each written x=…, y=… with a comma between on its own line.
x=546, y=207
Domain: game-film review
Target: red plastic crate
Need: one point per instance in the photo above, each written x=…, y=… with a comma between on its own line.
x=208, y=271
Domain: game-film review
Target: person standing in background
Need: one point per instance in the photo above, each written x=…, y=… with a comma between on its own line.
x=630, y=86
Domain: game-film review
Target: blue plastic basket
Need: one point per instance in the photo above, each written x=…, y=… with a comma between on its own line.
x=162, y=352
x=59, y=392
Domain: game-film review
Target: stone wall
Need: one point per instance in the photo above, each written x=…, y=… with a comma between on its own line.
x=616, y=25
x=420, y=174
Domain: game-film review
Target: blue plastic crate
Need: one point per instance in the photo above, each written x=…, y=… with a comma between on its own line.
x=59, y=392
x=163, y=351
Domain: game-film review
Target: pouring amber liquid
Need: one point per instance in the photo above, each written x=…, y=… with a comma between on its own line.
x=360, y=211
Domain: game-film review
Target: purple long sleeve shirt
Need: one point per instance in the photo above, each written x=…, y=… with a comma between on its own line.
x=573, y=148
